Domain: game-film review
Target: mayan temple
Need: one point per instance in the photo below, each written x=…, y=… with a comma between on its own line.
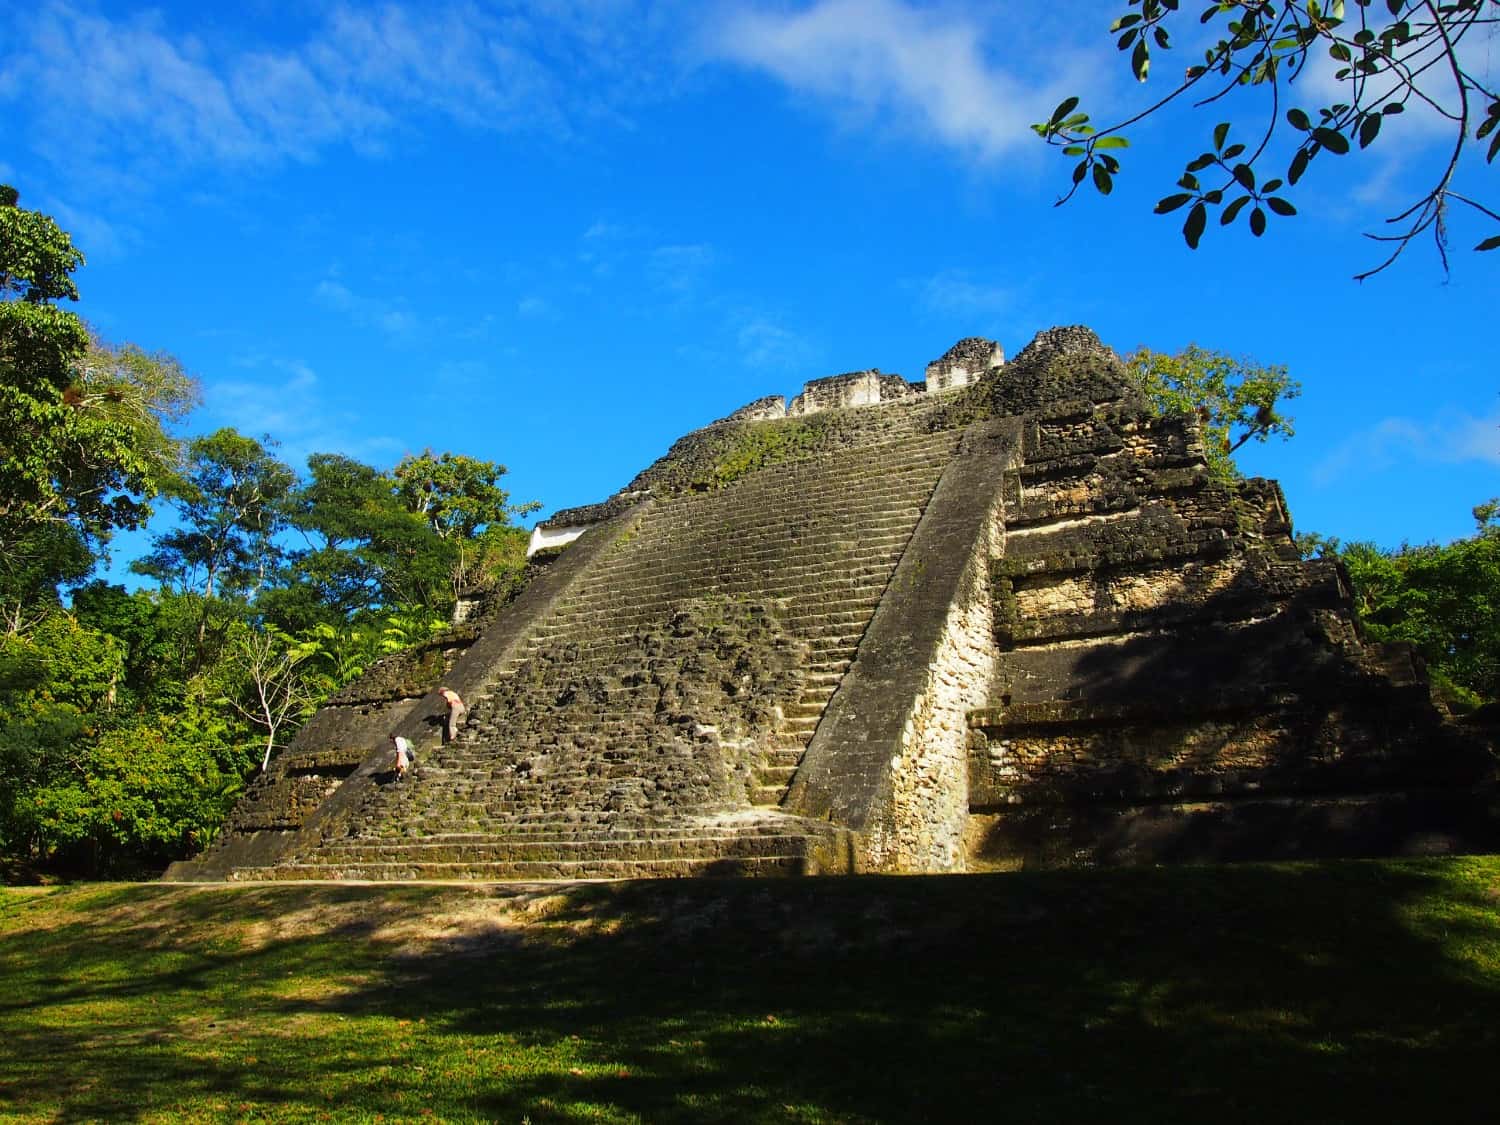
x=1001, y=618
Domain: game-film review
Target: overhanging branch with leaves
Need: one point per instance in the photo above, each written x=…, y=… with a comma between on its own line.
x=1388, y=55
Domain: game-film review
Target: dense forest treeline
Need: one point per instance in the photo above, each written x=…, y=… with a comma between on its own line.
x=130, y=720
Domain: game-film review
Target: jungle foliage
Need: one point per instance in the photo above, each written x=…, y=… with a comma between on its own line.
x=131, y=720
x=1235, y=400
x=1443, y=600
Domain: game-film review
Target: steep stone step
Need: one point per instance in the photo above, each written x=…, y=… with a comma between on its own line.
x=775, y=562
x=805, y=601
x=501, y=871
x=566, y=849
x=687, y=584
x=853, y=499
x=776, y=775
x=788, y=756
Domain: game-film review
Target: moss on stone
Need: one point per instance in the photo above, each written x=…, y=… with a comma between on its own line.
x=761, y=445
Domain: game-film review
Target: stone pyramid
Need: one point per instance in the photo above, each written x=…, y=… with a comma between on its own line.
x=1001, y=618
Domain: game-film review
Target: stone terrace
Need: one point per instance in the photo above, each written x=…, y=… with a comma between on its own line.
x=1172, y=682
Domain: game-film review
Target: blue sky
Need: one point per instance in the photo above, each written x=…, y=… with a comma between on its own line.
x=560, y=234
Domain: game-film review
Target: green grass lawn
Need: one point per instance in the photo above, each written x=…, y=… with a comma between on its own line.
x=1357, y=991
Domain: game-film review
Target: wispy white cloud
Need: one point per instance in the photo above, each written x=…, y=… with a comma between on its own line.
x=764, y=344
x=535, y=308
x=138, y=91
x=389, y=317
x=284, y=398
x=104, y=239
x=954, y=292
x=116, y=79
x=467, y=375
x=680, y=270
x=1449, y=438
x=602, y=230
x=923, y=70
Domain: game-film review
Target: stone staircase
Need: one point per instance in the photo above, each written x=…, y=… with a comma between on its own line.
x=649, y=725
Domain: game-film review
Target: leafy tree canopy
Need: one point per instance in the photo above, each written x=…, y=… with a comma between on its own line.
x=1444, y=600
x=1236, y=400
x=412, y=537
x=231, y=501
x=83, y=437
x=456, y=495
x=1386, y=57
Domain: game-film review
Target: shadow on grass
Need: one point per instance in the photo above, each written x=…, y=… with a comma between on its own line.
x=1335, y=992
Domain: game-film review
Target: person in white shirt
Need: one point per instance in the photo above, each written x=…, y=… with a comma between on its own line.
x=404, y=756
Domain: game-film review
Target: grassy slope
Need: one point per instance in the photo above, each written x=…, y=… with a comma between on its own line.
x=1334, y=992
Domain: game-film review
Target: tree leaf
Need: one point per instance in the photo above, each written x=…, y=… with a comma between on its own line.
x=1221, y=130
x=1102, y=180
x=1331, y=139
x=1491, y=243
x=1280, y=206
x=1298, y=119
x=1257, y=222
x=1233, y=210
x=1140, y=60
x=1245, y=176
x=1112, y=141
x=1192, y=230
x=1299, y=165
x=1065, y=107
x=1369, y=128
x=1171, y=203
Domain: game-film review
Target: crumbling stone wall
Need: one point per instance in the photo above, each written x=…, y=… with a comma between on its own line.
x=965, y=362
x=688, y=705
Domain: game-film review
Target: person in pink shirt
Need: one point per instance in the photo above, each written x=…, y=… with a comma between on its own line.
x=456, y=711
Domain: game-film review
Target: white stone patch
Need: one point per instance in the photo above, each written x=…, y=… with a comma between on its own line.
x=1053, y=526
x=544, y=537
